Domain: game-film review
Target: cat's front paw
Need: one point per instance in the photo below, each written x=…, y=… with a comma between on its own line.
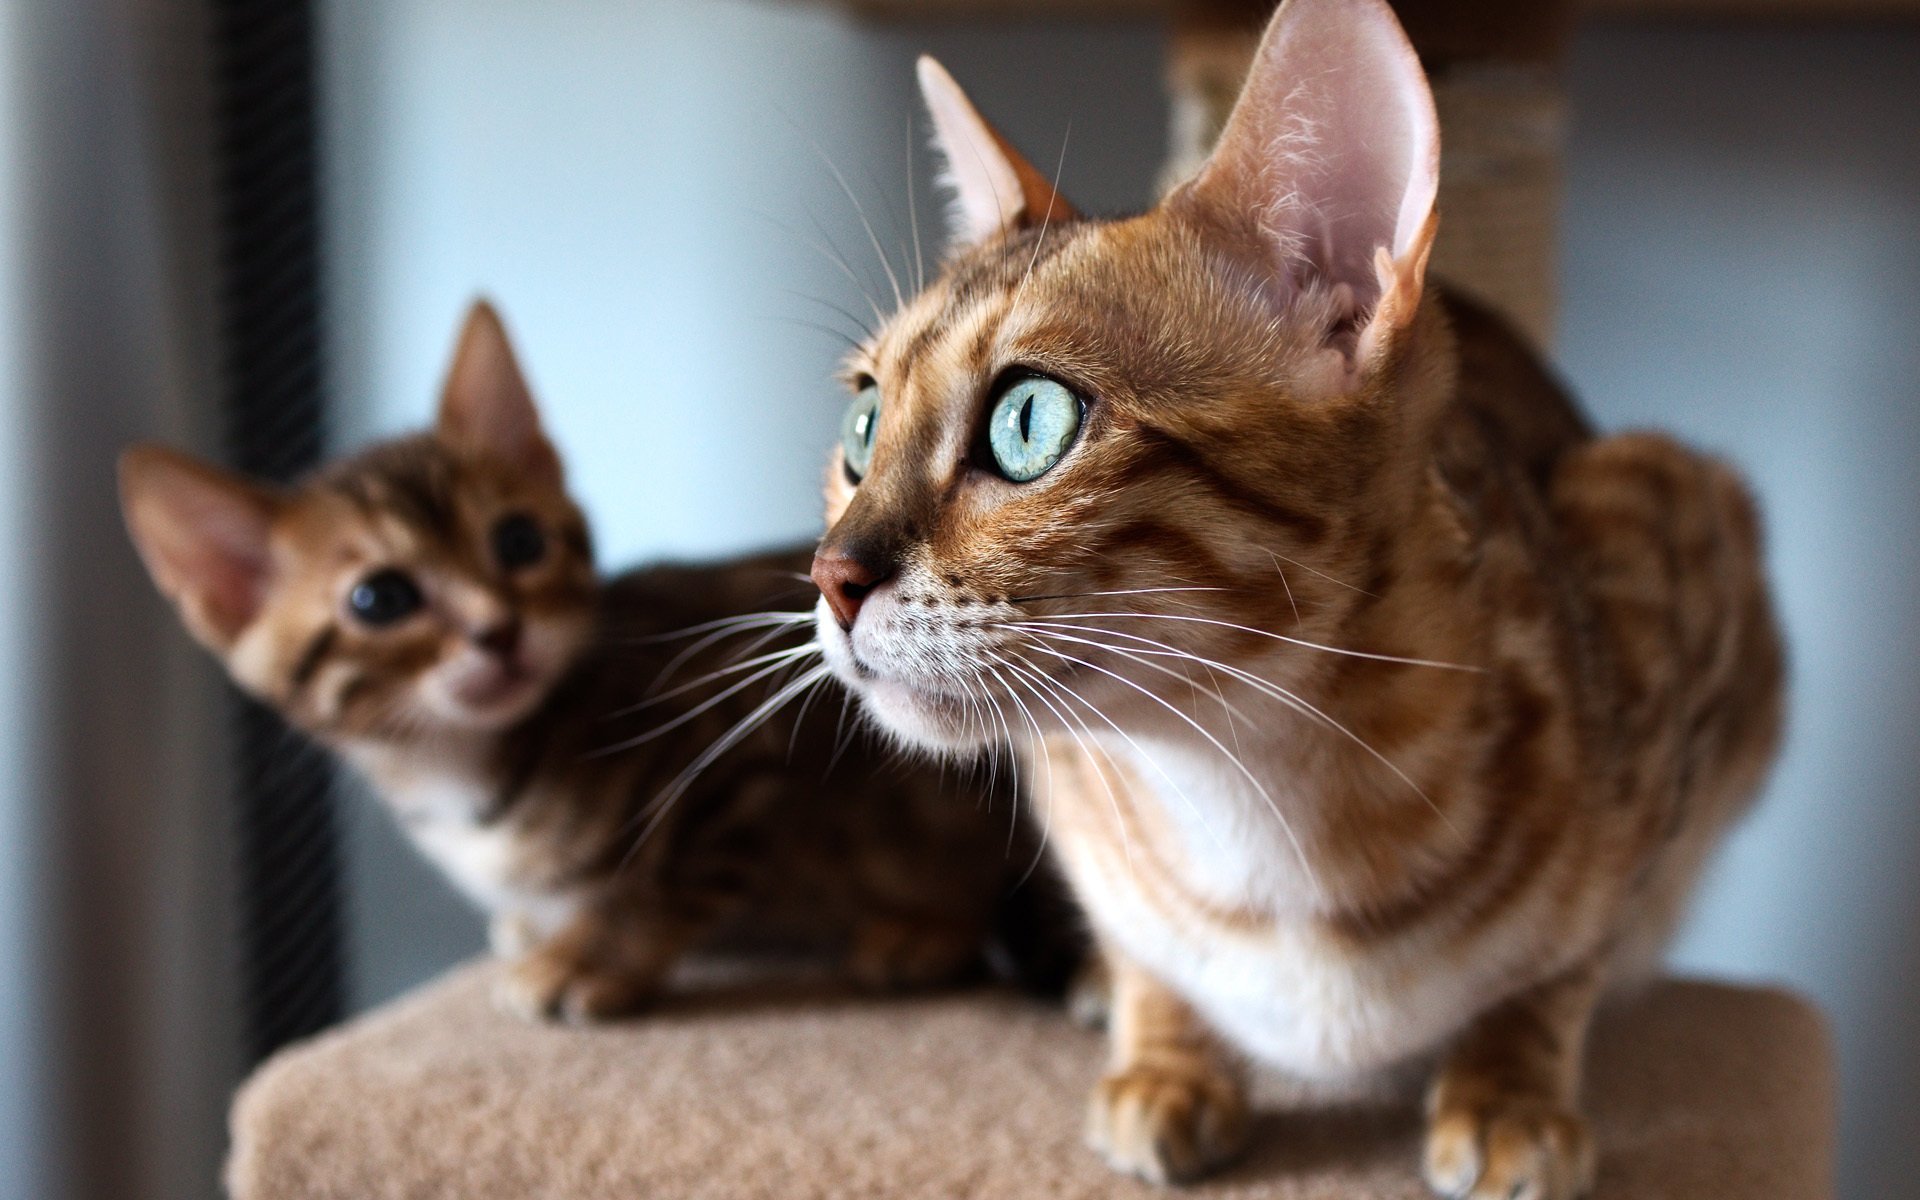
x=547, y=985
x=1509, y=1149
x=1167, y=1126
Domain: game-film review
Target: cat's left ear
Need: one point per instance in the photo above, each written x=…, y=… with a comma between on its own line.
x=1332, y=158
x=486, y=406
x=994, y=187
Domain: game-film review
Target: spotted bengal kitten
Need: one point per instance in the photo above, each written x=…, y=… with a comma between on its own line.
x=1381, y=711
x=429, y=609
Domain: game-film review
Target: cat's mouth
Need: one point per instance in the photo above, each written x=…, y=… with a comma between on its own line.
x=933, y=714
x=490, y=691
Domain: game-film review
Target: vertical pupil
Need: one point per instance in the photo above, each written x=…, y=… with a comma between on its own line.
x=1026, y=420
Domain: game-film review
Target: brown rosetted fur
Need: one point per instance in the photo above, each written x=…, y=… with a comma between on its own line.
x=542, y=733
x=1379, y=710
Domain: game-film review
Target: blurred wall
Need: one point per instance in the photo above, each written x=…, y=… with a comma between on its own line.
x=637, y=185
x=116, y=1021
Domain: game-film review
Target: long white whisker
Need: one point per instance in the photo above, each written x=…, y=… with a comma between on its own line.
x=1292, y=700
x=893, y=281
x=1046, y=222
x=913, y=216
x=1068, y=722
x=1139, y=657
x=774, y=656
x=694, y=712
x=1322, y=574
x=1285, y=825
x=1291, y=602
x=1150, y=760
x=1278, y=637
x=725, y=742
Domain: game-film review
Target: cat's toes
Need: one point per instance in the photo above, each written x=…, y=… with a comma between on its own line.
x=541, y=987
x=1167, y=1126
x=1510, y=1150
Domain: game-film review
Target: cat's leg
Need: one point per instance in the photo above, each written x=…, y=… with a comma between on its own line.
x=1173, y=1103
x=1502, y=1121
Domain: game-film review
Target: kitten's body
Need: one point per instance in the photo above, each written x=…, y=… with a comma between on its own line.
x=543, y=735
x=1380, y=711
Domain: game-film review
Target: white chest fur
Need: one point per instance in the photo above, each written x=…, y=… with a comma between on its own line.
x=440, y=802
x=1280, y=983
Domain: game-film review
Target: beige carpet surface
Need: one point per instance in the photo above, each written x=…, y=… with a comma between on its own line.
x=736, y=1091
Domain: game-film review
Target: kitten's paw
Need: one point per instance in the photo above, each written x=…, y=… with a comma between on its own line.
x=1510, y=1149
x=543, y=986
x=1167, y=1126
x=902, y=955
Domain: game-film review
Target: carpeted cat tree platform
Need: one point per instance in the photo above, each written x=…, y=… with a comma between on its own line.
x=740, y=1091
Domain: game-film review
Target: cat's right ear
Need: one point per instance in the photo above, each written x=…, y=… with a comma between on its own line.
x=994, y=188
x=204, y=535
x=487, y=408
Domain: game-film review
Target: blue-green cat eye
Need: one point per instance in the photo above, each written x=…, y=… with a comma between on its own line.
x=857, y=429
x=1033, y=424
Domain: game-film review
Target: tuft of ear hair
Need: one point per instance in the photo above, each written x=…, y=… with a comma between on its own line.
x=1332, y=155
x=205, y=537
x=486, y=407
x=994, y=187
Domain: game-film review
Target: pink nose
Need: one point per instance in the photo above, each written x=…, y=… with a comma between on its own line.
x=845, y=581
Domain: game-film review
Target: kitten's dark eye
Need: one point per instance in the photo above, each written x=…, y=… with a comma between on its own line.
x=384, y=597
x=518, y=542
x=856, y=432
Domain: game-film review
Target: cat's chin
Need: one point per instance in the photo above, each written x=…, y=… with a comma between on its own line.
x=920, y=718
x=926, y=721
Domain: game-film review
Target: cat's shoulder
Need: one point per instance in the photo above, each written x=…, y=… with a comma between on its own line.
x=1507, y=388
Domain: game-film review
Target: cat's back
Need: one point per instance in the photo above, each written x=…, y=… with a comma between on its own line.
x=1506, y=388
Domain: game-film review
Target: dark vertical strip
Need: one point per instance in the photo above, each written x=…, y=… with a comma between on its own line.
x=291, y=924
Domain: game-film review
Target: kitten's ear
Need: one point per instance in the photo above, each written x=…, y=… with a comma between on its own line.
x=204, y=535
x=1333, y=150
x=993, y=187
x=486, y=406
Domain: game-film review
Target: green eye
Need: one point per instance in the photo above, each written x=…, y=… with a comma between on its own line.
x=857, y=429
x=1034, y=422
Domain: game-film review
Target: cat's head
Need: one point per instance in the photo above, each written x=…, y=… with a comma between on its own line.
x=431, y=584
x=1204, y=413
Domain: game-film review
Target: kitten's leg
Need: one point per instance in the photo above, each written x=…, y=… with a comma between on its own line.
x=511, y=934
x=1501, y=1115
x=1173, y=1103
x=893, y=953
x=610, y=960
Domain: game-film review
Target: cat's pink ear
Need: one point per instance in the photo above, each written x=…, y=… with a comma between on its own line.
x=1333, y=153
x=993, y=186
x=204, y=536
x=486, y=407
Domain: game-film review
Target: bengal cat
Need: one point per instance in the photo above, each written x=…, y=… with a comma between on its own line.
x=429, y=609
x=1382, y=711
